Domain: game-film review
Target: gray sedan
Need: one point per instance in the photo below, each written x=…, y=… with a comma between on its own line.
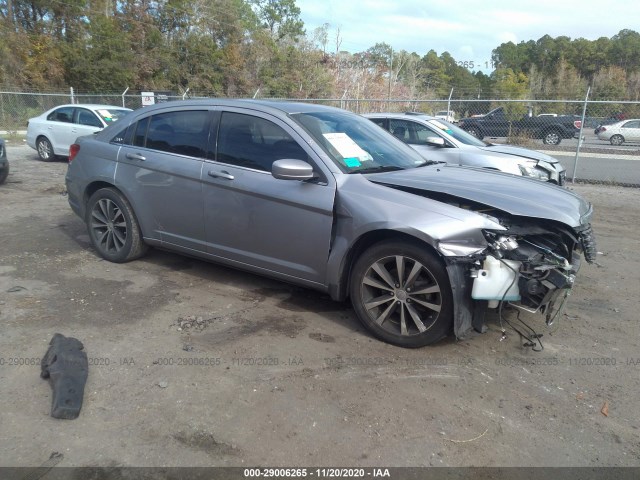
x=323, y=198
x=437, y=139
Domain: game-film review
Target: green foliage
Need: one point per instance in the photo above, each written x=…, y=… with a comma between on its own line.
x=240, y=47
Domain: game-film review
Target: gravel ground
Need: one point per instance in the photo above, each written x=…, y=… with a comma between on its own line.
x=193, y=364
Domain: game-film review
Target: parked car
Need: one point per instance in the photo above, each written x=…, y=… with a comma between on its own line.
x=323, y=198
x=497, y=124
x=448, y=116
x=438, y=140
x=4, y=162
x=55, y=130
x=621, y=132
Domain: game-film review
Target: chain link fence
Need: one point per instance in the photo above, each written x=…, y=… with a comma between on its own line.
x=539, y=124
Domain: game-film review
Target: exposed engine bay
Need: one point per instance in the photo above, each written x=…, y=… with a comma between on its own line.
x=531, y=265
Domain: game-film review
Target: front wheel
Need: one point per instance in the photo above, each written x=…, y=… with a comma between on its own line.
x=617, y=140
x=551, y=138
x=45, y=149
x=113, y=228
x=401, y=294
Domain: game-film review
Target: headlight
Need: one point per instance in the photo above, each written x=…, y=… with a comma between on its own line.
x=534, y=172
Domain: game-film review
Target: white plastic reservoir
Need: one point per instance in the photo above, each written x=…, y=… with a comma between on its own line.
x=495, y=278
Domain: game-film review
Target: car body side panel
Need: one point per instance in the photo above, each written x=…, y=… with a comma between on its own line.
x=166, y=194
x=101, y=168
x=364, y=207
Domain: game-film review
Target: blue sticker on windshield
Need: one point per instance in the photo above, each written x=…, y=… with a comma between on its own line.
x=352, y=162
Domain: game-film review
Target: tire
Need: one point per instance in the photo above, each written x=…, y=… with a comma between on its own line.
x=552, y=137
x=113, y=227
x=45, y=149
x=4, y=174
x=385, y=303
x=475, y=132
x=616, y=140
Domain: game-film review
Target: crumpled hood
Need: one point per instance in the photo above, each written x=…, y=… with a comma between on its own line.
x=520, y=152
x=515, y=195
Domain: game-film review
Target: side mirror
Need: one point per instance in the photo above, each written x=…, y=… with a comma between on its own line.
x=435, y=141
x=290, y=169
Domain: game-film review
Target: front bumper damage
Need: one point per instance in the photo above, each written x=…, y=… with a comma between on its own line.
x=529, y=267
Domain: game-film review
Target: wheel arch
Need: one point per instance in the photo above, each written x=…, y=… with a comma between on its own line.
x=96, y=185
x=340, y=291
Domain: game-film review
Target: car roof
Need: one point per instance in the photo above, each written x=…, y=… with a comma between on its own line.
x=93, y=106
x=273, y=106
x=418, y=115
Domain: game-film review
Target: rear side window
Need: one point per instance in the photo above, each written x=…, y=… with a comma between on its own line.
x=140, y=132
x=182, y=132
x=63, y=114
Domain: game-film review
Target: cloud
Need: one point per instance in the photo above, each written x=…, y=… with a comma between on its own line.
x=464, y=28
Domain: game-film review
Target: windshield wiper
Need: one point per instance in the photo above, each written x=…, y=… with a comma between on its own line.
x=379, y=169
x=430, y=162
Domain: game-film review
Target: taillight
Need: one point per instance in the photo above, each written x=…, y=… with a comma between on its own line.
x=577, y=124
x=602, y=129
x=73, y=151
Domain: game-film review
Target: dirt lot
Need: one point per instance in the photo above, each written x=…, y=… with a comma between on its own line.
x=197, y=364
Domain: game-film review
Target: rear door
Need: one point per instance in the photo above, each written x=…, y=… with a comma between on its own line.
x=254, y=219
x=160, y=170
x=59, y=129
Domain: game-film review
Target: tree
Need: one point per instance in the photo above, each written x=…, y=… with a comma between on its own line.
x=280, y=17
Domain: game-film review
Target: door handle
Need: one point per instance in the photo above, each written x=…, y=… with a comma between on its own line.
x=135, y=156
x=223, y=174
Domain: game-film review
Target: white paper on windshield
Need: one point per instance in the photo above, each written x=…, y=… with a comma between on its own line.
x=105, y=114
x=346, y=147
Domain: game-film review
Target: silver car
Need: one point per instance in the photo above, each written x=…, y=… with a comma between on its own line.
x=323, y=198
x=439, y=140
x=621, y=132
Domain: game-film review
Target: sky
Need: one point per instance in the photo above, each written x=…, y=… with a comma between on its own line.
x=468, y=30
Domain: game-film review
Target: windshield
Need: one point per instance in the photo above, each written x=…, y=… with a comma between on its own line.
x=457, y=133
x=356, y=144
x=110, y=115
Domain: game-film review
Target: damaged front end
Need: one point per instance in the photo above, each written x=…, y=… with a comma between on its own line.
x=530, y=265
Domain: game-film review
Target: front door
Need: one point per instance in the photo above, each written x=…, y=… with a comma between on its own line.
x=254, y=219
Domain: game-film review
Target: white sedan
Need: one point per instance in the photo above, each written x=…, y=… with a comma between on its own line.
x=618, y=133
x=55, y=130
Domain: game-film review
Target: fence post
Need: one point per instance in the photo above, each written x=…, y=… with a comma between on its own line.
x=71, y=93
x=449, y=104
x=123, y=93
x=584, y=111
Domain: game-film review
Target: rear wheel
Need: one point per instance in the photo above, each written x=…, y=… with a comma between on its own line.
x=551, y=137
x=401, y=294
x=617, y=140
x=45, y=150
x=113, y=227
